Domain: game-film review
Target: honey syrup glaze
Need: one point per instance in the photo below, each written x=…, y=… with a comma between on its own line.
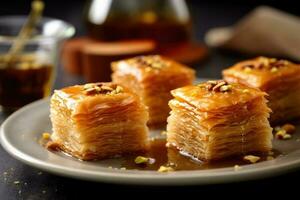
x=170, y=156
x=161, y=155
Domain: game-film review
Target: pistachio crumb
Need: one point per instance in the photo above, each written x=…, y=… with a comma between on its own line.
x=270, y=158
x=247, y=69
x=46, y=136
x=225, y=88
x=282, y=135
x=251, y=158
x=237, y=167
x=119, y=89
x=165, y=169
x=141, y=160
x=16, y=182
x=274, y=69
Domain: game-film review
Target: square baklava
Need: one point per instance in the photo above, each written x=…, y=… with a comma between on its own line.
x=280, y=79
x=152, y=78
x=98, y=120
x=214, y=120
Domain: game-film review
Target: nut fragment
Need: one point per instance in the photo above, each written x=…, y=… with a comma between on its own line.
x=270, y=158
x=237, y=167
x=46, y=136
x=251, y=158
x=119, y=89
x=217, y=87
x=247, y=69
x=274, y=69
x=154, y=62
x=225, y=88
x=106, y=88
x=165, y=169
x=282, y=135
x=141, y=160
x=99, y=88
x=289, y=128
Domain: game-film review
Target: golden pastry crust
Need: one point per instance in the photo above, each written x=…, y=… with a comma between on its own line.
x=152, y=78
x=99, y=120
x=278, y=78
x=214, y=120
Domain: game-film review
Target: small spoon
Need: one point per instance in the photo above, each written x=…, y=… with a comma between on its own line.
x=37, y=7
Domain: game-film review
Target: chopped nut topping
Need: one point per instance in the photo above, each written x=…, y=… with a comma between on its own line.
x=289, y=128
x=99, y=88
x=281, y=135
x=216, y=86
x=165, y=169
x=225, y=88
x=251, y=158
x=237, y=167
x=155, y=62
x=246, y=91
x=274, y=69
x=270, y=158
x=247, y=69
x=16, y=182
x=119, y=89
x=46, y=136
x=141, y=160
x=107, y=88
x=271, y=64
x=284, y=132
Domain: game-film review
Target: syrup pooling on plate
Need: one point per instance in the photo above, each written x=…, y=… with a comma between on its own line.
x=161, y=155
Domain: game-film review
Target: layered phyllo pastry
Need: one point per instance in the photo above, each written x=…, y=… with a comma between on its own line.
x=214, y=120
x=152, y=78
x=98, y=120
x=280, y=79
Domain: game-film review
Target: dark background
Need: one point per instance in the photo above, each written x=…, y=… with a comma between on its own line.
x=206, y=14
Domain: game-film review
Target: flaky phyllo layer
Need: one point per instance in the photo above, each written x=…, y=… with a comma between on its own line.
x=99, y=125
x=152, y=78
x=280, y=79
x=212, y=125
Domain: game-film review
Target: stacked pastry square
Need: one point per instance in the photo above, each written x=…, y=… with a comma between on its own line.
x=98, y=120
x=215, y=119
x=152, y=78
x=280, y=79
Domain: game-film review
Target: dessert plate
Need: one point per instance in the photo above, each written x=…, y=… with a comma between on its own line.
x=21, y=132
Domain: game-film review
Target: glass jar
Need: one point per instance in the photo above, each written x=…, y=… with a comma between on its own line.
x=166, y=22
x=30, y=75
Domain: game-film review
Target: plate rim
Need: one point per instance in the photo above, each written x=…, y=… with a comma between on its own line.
x=140, y=177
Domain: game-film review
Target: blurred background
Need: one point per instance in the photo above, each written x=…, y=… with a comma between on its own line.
x=201, y=41
x=205, y=13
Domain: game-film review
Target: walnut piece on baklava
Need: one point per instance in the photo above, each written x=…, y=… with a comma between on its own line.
x=280, y=79
x=98, y=120
x=152, y=78
x=214, y=120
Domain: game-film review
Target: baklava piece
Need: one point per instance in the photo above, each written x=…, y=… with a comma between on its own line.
x=152, y=78
x=98, y=120
x=214, y=120
x=280, y=79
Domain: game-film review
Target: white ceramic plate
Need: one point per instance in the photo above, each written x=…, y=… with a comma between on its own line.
x=21, y=131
